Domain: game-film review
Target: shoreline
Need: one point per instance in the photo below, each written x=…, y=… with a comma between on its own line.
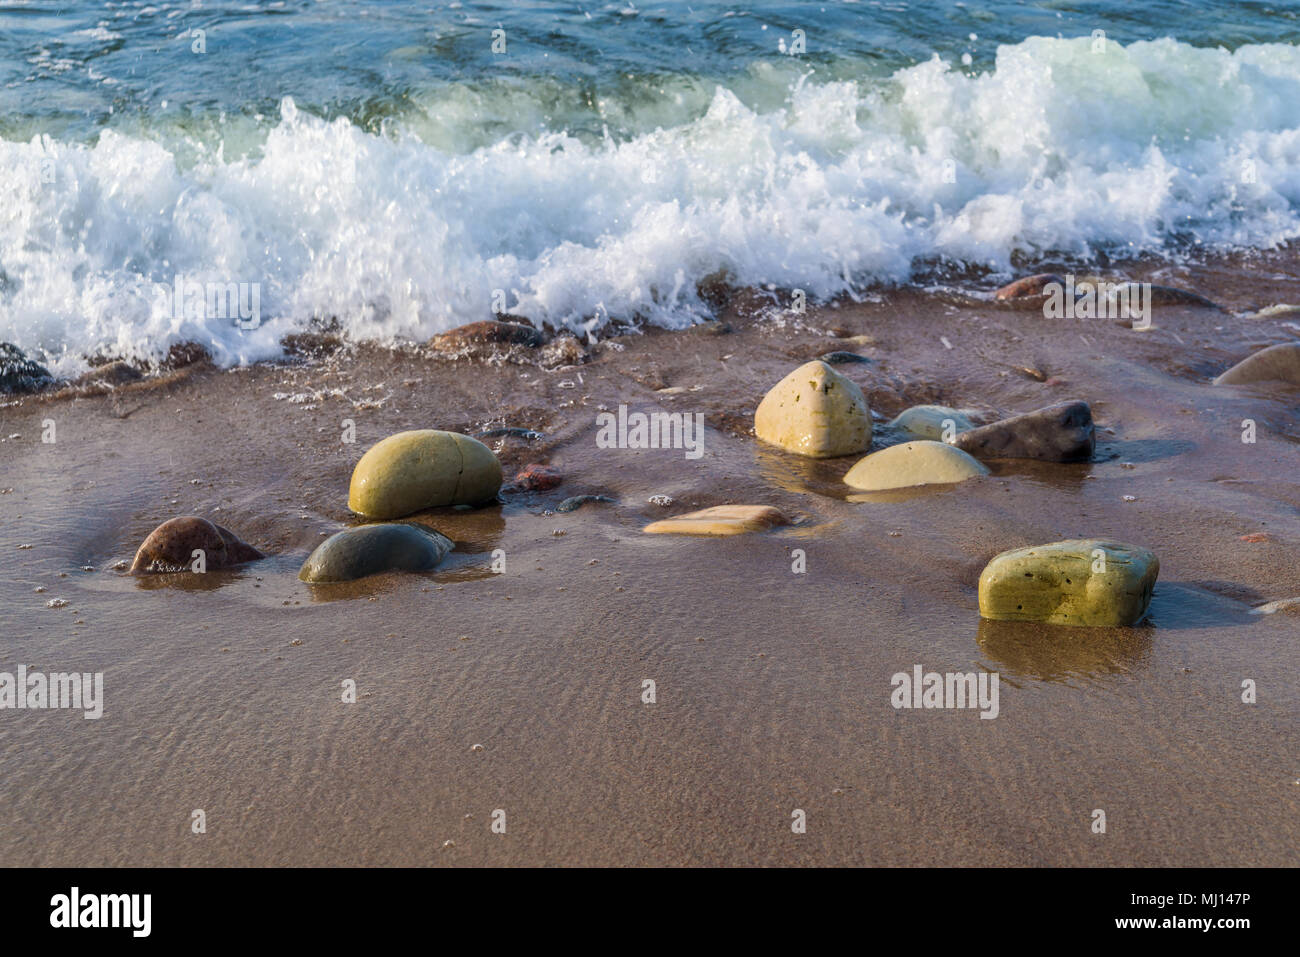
x=773, y=688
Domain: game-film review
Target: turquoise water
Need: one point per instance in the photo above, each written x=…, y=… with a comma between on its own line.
x=73, y=68
x=400, y=167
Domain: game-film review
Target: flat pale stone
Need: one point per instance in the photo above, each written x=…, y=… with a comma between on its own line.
x=1078, y=582
x=721, y=520
x=357, y=552
x=426, y=468
x=931, y=421
x=1280, y=363
x=1059, y=433
x=913, y=463
x=815, y=411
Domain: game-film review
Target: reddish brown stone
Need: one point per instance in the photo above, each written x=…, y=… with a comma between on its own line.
x=537, y=478
x=1028, y=286
x=170, y=547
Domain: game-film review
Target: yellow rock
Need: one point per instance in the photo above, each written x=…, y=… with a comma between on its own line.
x=1078, y=582
x=721, y=520
x=815, y=411
x=913, y=463
x=424, y=468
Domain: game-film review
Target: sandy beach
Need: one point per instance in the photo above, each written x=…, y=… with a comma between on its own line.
x=522, y=691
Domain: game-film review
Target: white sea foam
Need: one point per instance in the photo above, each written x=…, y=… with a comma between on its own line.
x=1058, y=149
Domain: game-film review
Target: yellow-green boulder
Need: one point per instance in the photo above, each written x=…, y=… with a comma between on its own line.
x=1078, y=582
x=425, y=468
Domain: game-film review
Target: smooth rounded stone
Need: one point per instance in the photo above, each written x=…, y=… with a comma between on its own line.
x=721, y=520
x=1059, y=433
x=1162, y=295
x=815, y=411
x=170, y=547
x=1078, y=582
x=370, y=549
x=1028, y=287
x=425, y=468
x=19, y=373
x=930, y=421
x=913, y=463
x=1280, y=363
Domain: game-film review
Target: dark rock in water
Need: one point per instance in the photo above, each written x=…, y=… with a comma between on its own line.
x=841, y=357
x=509, y=432
x=111, y=374
x=1169, y=296
x=577, y=501
x=184, y=354
x=1280, y=364
x=1028, y=287
x=370, y=549
x=312, y=345
x=170, y=547
x=469, y=339
x=1059, y=433
x=716, y=288
x=537, y=478
x=19, y=373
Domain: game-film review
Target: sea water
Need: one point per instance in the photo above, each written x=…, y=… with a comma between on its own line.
x=398, y=169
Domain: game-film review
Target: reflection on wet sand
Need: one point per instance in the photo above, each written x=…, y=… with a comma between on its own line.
x=1061, y=652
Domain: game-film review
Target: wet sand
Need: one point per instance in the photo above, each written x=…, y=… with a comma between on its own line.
x=222, y=692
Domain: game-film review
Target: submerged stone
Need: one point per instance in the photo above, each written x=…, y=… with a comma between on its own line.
x=1059, y=433
x=721, y=520
x=170, y=547
x=370, y=549
x=913, y=463
x=815, y=411
x=1078, y=582
x=575, y=502
x=425, y=468
x=937, y=422
x=1280, y=363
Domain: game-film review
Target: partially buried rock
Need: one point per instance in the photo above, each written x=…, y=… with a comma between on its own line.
x=357, y=552
x=171, y=546
x=575, y=502
x=815, y=411
x=721, y=520
x=469, y=339
x=111, y=374
x=537, y=478
x=911, y=464
x=424, y=468
x=1280, y=364
x=936, y=422
x=1059, y=433
x=1079, y=582
x=1028, y=288
x=841, y=357
x=19, y=373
